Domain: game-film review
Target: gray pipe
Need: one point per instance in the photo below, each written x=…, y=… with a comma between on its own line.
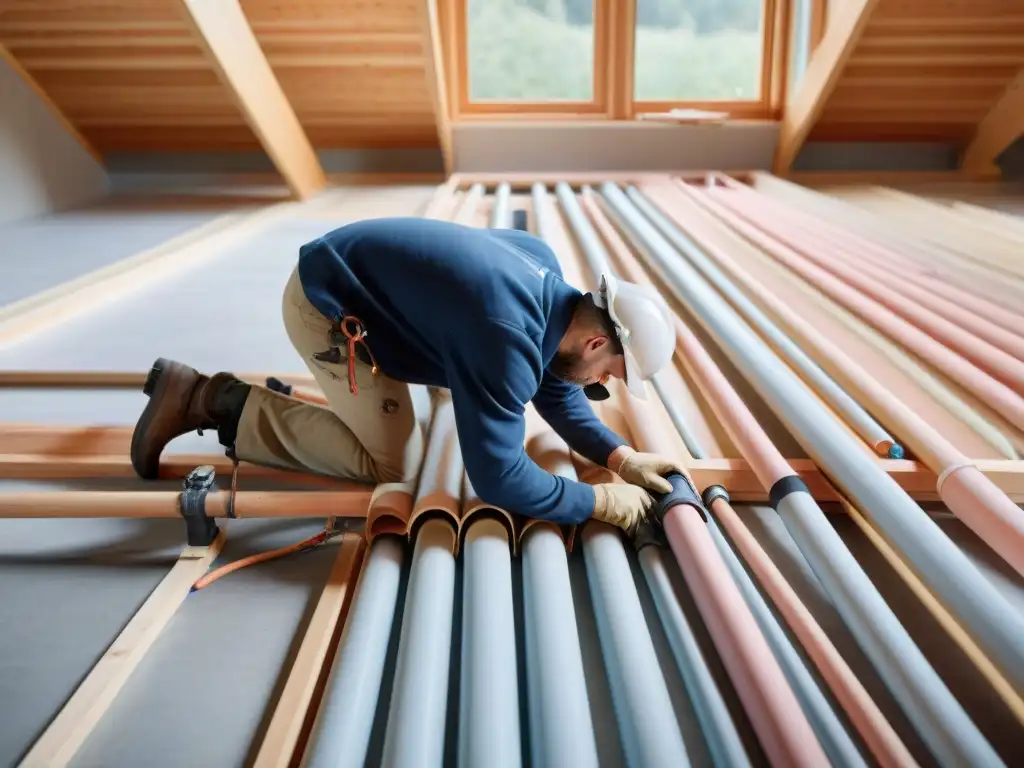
x=541, y=213
x=858, y=418
x=643, y=709
x=416, y=720
x=561, y=729
x=501, y=218
x=723, y=741
x=928, y=703
x=489, y=700
x=590, y=243
x=344, y=721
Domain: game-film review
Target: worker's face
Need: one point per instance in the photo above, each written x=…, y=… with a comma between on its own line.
x=593, y=360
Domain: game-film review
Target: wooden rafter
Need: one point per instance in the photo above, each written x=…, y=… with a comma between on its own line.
x=821, y=78
x=434, y=63
x=56, y=111
x=224, y=33
x=1000, y=127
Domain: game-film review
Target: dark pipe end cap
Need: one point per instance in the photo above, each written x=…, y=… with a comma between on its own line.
x=713, y=492
x=596, y=392
x=647, y=534
x=519, y=221
x=682, y=492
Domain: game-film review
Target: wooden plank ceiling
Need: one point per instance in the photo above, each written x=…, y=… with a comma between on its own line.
x=131, y=75
x=926, y=70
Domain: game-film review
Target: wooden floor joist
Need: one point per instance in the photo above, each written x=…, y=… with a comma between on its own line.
x=82, y=712
x=283, y=740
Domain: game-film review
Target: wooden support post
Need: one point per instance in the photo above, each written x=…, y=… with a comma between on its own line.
x=79, y=716
x=283, y=741
x=821, y=78
x=433, y=61
x=231, y=45
x=56, y=111
x=1003, y=124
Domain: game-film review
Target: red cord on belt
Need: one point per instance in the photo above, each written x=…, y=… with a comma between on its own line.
x=357, y=336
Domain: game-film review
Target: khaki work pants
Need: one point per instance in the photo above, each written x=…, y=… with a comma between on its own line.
x=375, y=436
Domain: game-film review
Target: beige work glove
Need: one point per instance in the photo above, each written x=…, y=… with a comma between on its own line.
x=621, y=504
x=648, y=470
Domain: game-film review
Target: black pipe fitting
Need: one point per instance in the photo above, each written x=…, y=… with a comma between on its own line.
x=682, y=492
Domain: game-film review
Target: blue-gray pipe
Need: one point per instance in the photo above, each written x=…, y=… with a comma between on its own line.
x=561, y=728
x=344, y=722
x=724, y=744
x=647, y=722
x=419, y=697
x=945, y=727
x=489, y=699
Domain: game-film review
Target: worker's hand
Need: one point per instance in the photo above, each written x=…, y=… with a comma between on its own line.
x=621, y=504
x=648, y=470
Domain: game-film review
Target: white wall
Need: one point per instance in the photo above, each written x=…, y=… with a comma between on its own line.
x=42, y=167
x=612, y=146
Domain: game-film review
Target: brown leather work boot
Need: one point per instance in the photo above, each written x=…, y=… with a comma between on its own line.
x=182, y=400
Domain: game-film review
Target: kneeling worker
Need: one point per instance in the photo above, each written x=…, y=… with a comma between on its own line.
x=381, y=307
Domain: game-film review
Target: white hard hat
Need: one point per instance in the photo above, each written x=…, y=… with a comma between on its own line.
x=644, y=325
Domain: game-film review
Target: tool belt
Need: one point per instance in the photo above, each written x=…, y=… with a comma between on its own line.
x=349, y=333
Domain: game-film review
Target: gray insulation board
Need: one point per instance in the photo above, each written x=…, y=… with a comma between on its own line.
x=203, y=693
x=37, y=253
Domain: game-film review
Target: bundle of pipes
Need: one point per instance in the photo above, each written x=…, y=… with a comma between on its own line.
x=422, y=676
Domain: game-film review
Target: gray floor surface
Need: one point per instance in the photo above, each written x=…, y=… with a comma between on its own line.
x=204, y=692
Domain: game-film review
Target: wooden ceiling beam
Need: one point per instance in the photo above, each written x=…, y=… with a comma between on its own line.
x=230, y=44
x=1000, y=127
x=437, y=82
x=49, y=103
x=820, y=79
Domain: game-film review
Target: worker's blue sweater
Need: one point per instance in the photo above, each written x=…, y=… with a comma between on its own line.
x=480, y=312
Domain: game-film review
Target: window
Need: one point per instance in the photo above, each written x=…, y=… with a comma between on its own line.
x=615, y=58
x=698, y=50
x=530, y=50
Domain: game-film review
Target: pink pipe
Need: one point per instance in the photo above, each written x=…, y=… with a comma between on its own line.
x=928, y=258
x=1000, y=397
x=769, y=466
x=863, y=249
x=989, y=358
x=971, y=496
x=954, y=305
